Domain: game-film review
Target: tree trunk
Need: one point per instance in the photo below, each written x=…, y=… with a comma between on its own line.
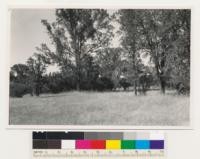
x=78, y=70
x=143, y=89
x=135, y=87
x=78, y=86
x=78, y=74
x=162, y=85
x=37, y=90
x=162, y=80
x=78, y=60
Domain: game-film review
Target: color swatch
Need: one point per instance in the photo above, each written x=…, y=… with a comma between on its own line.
x=98, y=140
x=128, y=144
x=113, y=144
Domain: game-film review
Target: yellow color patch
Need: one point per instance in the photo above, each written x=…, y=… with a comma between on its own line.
x=113, y=144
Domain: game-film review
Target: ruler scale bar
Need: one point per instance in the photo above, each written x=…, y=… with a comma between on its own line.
x=96, y=153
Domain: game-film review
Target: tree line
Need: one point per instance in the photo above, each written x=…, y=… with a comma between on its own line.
x=82, y=51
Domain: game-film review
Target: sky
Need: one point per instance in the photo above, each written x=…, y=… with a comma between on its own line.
x=27, y=32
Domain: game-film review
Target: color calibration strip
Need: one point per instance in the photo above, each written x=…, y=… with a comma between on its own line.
x=97, y=140
x=99, y=144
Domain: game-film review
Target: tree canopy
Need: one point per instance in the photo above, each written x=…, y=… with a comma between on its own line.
x=76, y=33
x=81, y=46
x=165, y=35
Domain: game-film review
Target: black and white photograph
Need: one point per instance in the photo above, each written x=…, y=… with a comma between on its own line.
x=102, y=67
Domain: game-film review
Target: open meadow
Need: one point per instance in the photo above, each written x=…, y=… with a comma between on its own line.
x=101, y=108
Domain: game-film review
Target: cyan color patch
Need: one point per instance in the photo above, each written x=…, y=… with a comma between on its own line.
x=142, y=144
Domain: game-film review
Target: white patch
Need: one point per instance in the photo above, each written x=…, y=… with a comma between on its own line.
x=52, y=68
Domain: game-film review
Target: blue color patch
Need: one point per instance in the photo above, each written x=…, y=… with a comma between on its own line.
x=142, y=144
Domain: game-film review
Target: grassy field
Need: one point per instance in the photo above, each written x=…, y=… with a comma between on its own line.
x=95, y=108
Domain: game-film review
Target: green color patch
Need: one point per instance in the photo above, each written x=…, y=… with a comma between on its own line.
x=128, y=144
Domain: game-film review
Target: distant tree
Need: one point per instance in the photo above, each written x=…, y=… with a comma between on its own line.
x=37, y=68
x=75, y=33
x=178, y=60
x=19, y=79
x=130, y=41
x=19, y=73
x=111, y=63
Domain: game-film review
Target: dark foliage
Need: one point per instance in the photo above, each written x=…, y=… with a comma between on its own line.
x=103, y=84
x=18, y=89
x=123, y=82
x=57, y=82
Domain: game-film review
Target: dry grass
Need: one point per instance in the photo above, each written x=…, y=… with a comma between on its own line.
x=94, y=108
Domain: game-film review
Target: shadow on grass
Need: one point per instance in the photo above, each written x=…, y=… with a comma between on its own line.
x=54, y=95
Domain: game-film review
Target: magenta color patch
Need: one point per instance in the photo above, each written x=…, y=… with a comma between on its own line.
x=83, y=144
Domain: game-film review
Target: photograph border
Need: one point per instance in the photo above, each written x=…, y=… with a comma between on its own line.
x=104, y=127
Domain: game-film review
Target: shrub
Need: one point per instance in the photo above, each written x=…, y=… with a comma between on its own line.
x=86, y=85
x=57, y=83
x=55, y=88
x=18, y=89
x=103, y=84
x=123, y=82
